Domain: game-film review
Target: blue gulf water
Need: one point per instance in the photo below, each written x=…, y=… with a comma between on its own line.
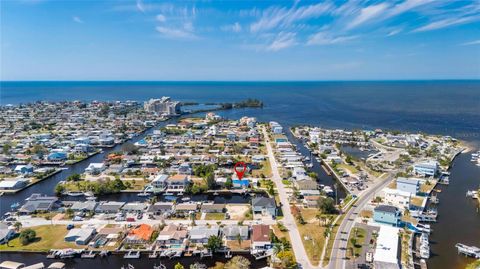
x=446, y=107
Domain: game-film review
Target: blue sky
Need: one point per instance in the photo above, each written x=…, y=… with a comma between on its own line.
x=239, y=40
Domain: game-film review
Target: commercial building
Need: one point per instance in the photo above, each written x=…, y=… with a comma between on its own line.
x=429, y=168
x=386, y=250
x=162, y=106
x=411, y=185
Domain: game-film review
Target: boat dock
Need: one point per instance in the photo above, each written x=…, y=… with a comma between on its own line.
x=470, y=251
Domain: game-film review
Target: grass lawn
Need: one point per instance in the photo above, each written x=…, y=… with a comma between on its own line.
x=417, y=201
x=309, y=214
x=215, y=216
x=331, y=240
x=357, y=249
x=348, y=167
x=48, y=237
x=266, y=170
x=428, y=188
x=313, y=240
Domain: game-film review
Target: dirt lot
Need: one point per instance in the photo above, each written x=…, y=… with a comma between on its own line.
x=237, y=211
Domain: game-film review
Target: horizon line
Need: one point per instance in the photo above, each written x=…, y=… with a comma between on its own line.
x=306, y=80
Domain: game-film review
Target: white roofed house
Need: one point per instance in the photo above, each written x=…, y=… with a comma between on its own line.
x=5, y=233
x=80, y=236
x=13, y=184
x=200, y=234
x=159, y=183
x=95, y=168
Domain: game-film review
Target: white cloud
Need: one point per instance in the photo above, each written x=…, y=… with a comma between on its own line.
x=446, y=23
x=394, y=32
x=175, y=33
x=161, y=18
x=475, y=42
x=236, y=27
x=77, y=19
x=324, y=38
x=282, y=41
x=276, y=16
x=367, y=14
x=140, y=6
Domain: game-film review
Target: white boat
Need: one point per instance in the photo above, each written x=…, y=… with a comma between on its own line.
x=88, y=194
x=91, y=198
x=143, y=194
x=74, y=193
x=186, y=199
x=132, y=255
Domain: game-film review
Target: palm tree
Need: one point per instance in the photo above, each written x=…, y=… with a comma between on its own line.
x=18, y=226
x=239, y=240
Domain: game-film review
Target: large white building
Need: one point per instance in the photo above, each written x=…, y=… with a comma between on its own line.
x=162, y=106
x=386, y=251
x=397, y=198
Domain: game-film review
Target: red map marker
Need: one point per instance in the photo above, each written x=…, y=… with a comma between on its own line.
x=241, y=172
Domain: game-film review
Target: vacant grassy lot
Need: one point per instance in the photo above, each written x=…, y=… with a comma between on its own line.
x=48, y=237
x=215, y=216
x=360, y=235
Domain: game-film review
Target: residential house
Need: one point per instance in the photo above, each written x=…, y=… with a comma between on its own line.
x=109, y=207
x=84, y=206
x=159, y=183
x=260, y=237
x=160, y=208
x=177, y=183
x=264, y=206
x=171, y=235
x=39, y=203
x=140, y=234
x=13, y=184
x=212, y=208
x=387, y=214
x=24, y=169
x=231, y=232
x=134, y=208
x=6, y=233
x=95, y=168
x=200, y=234
x=80, y=236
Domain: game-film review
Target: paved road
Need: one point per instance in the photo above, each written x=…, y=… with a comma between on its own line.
x=288, y=219
x=337, y=260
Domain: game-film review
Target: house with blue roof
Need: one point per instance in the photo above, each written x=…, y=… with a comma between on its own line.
x=241, y=183
x=57, y=157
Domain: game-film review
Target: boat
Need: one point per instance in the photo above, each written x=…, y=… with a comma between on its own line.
x=143, y=194
x=14, y=206
x=89, y=194
x=132, y=255
x=74, y=193
x=91, y=198
x=160, y=266
x=129, y=266
x=88, y=255
x=186, y=199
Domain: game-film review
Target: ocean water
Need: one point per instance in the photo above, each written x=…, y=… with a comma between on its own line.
x=446, y=107
x=438, y=107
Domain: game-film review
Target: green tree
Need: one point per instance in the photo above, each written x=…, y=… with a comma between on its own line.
x=229, y=183
x=287, y=259
x=179, y=266
x=27, y=236
x=214, y=243
x=17, y=225
x=59, y=189
x=238, y=262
